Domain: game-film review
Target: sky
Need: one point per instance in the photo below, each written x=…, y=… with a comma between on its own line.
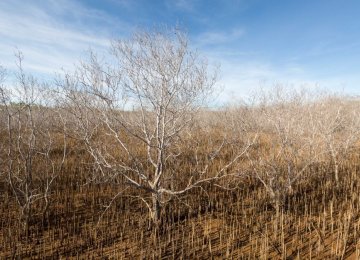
x=258, y=43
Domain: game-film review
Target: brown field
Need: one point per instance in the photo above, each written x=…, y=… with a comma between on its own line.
x=319, y=219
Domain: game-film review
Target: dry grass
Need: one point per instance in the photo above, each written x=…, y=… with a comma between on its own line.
x=318, y=220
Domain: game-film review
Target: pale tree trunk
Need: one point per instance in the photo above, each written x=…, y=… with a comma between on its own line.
x=334, y=155
x=336, y=166
x=336, y=171
x=156, y=208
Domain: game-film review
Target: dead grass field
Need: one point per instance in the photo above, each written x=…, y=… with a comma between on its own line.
x=319, y=220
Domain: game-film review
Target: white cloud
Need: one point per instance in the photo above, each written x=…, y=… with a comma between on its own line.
x=211, y=38
x=54, y=34
x=47, y=39
x=242, y=75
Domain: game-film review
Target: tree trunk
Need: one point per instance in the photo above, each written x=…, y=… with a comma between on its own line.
x=336, y=170
x=156, y=210
x=25, y=218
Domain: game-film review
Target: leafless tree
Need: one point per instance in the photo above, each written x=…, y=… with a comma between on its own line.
x=3, y=119
x=335, y=120
x=286, y=146
x=144, y=99
x=28, y=143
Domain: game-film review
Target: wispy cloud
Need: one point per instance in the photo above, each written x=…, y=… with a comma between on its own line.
x=241, y=78
x=55, y=34
x=211, y=38
x=52, y=35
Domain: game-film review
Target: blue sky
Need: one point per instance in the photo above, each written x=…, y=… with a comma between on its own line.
x=313, y=43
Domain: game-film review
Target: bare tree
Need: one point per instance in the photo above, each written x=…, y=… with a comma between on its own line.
x=286, y=146
x=335, y=120
x=3, y=119
x=146, y=96
x=28, y=164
